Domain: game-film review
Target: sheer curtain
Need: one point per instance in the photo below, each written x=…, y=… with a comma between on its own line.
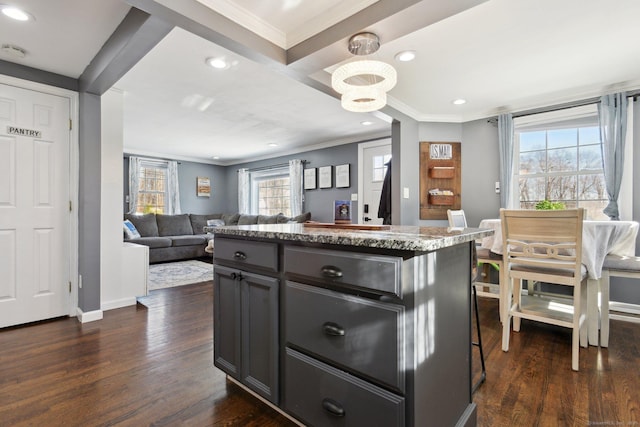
x=173, y=189
x=243, y=191
x=295, y=185
x=612, y=113
x=134, y=183
x=505, y=148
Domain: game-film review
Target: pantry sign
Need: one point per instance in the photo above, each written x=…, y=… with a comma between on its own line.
x=12, y=130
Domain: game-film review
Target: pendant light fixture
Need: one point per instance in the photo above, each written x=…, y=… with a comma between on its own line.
x=364, y=83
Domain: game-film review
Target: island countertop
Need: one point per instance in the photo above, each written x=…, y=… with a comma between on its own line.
x=411, y=238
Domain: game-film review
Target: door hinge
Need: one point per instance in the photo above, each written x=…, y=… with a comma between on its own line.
x=70, y=206
x=69, y=286
x=70, y=124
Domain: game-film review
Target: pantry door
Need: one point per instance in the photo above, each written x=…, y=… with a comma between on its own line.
x=35, y=216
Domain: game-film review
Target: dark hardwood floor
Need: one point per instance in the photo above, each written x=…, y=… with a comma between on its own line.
x=152, y=364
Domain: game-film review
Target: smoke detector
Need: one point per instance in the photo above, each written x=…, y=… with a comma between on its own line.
x=15, y=51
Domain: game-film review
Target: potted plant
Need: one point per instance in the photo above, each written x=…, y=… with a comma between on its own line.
x=548, y=205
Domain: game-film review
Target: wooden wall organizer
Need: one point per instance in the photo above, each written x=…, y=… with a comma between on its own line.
x=440, y=169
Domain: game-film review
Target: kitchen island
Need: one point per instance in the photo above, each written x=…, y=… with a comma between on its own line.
x=348, y=327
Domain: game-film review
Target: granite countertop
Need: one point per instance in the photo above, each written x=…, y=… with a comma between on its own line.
x=412, y=238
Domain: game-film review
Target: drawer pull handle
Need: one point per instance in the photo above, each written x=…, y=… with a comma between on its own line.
x=333, y=407
x=333, y=329
x=236, y=276
x=240, y=255
x=331, y=271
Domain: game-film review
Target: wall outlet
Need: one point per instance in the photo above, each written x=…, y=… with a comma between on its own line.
x=354, y=197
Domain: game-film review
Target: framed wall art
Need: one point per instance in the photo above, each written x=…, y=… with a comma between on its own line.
x=310, y=179
x=203, y=186
x=342, y=176
x=324, y=177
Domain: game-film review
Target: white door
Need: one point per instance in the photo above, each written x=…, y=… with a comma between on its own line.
x=34, y=205
x=372, y=157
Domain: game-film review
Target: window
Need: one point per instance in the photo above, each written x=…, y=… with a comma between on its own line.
x=380, y=167
x=559, y=158
x=270, y=192
x=152, y=187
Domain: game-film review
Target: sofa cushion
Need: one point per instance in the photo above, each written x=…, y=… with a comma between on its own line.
x=130, y=230
x=230, y=219
x=299, y=218
x=198, y=222
x=269, y=219
x=145, y=224
x=153, y=242
x=247, y=219
x=174, y=225
x=188, y=240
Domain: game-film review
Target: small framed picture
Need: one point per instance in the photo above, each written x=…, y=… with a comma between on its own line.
x=342, y=211
x=310, y=179
x=203, y=186
x=342, y=176
x=324, y=177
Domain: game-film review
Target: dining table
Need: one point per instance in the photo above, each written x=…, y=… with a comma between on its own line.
x=599, y=239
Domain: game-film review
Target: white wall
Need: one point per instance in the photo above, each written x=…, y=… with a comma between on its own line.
x=112, y=286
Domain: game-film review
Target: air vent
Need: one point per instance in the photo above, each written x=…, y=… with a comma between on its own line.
x=14, y=51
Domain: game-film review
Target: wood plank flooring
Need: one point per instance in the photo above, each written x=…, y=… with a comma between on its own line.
x=151, y=365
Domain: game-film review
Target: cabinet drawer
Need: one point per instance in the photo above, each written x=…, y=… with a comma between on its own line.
x=375, y=272
x=358, y=334
x=247, y=253
x=321, y=395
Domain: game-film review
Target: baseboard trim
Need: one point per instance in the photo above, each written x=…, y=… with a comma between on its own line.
x=118, y=303
x=89, y=316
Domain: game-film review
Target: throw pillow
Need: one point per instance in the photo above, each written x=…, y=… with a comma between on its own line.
x=130, y=230
x=215, y=222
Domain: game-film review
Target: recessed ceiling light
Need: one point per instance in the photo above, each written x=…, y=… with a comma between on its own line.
x=15, y=13
x=273, y=144
x=218, y=63
x=459, y=101
x=366, y=123
x=216, y=157
x=406, y=55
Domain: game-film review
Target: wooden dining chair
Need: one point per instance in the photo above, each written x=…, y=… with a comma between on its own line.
x=486, y=262
x=545, y=246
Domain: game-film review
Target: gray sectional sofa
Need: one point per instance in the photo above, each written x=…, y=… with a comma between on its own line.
x=178, y=237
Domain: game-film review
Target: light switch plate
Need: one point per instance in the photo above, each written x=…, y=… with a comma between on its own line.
x=354, y=197
x=405, y=192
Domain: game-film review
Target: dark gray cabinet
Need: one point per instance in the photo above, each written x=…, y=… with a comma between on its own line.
x=246, y=328
x=365, y=336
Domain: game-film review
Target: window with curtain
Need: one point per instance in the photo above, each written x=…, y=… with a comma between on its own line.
x=152, y=187
x=270, y=191
x=558, y=157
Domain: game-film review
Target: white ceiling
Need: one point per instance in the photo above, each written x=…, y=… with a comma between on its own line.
x=501, y=55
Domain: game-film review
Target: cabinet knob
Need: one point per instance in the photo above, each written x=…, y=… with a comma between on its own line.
x=333, y=407
x=240, y=255
x=333, y=329
x=331, y=271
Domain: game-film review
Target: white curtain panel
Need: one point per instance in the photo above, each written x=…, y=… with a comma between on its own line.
x=612, y=113
x=505, y=148
x=243, y=191
x=295, y=185
x=134, y=183
x=173, y=189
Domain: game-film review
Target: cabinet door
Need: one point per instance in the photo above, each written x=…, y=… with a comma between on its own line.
x=260, y=335
x=226, y=320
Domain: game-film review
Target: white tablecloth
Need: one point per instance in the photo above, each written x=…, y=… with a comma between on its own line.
x=599, y=238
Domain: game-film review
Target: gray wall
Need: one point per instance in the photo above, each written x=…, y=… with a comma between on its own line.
x=189, y=201
x=319, y=201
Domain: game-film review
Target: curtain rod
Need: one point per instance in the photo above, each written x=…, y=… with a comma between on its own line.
x=595, y=100
x=279, y=165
